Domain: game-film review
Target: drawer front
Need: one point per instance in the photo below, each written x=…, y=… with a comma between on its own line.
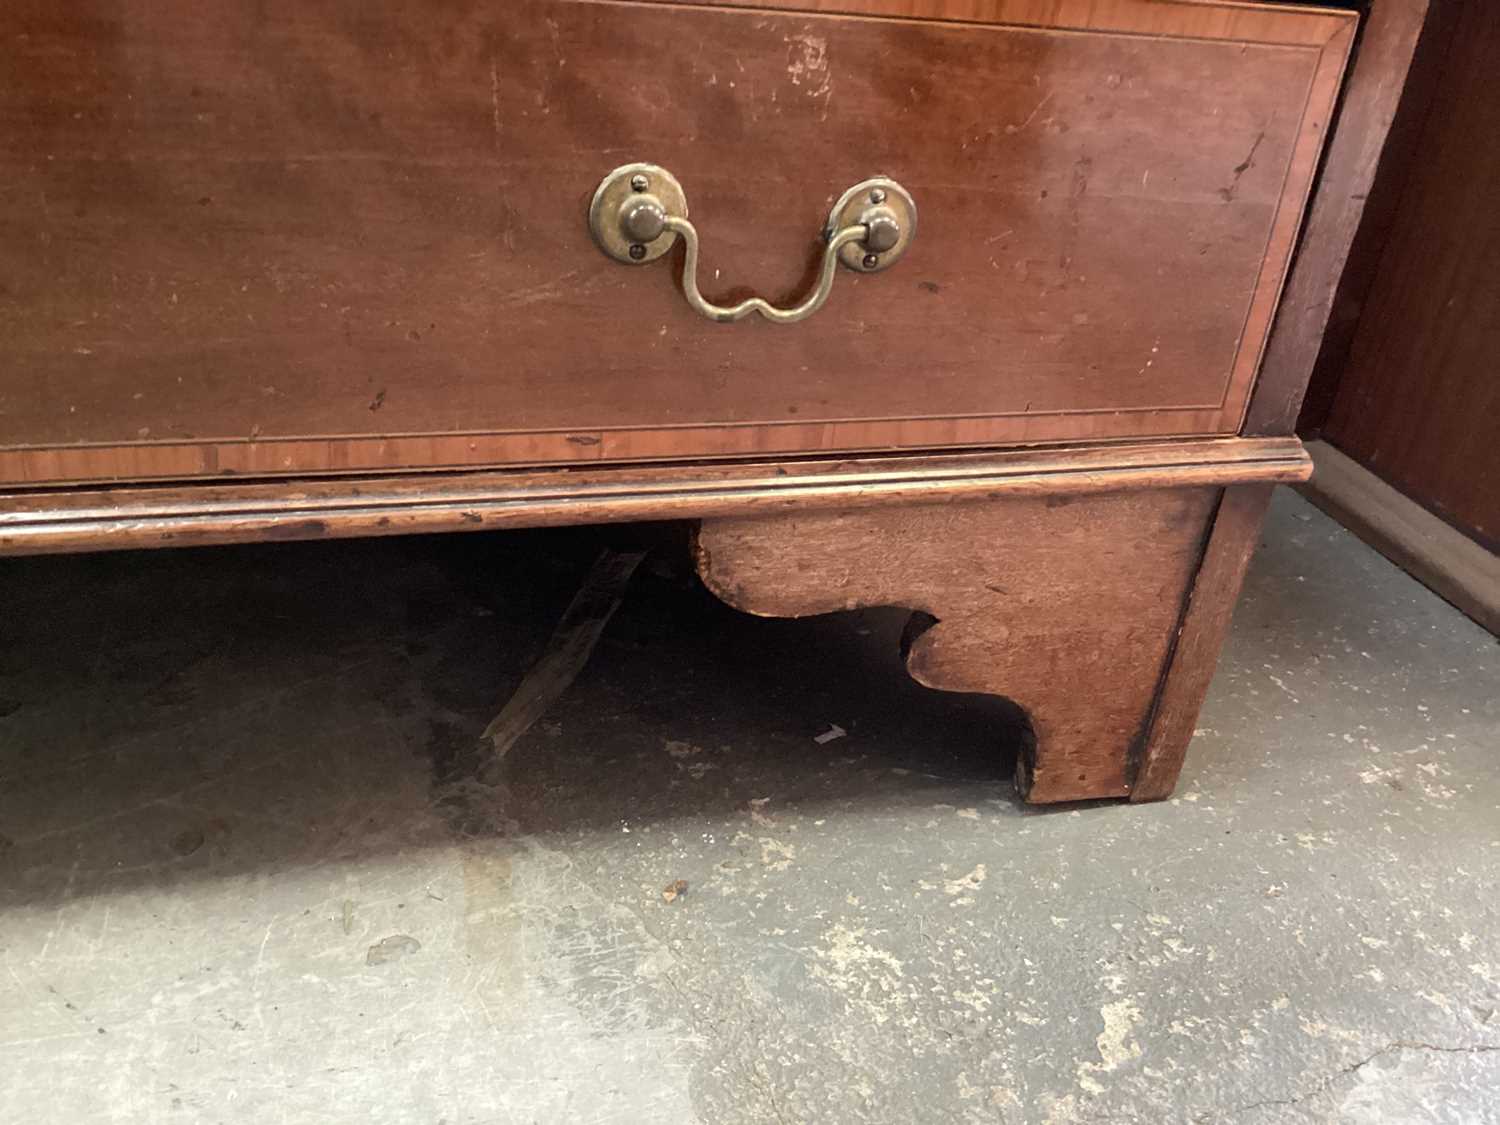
x=347, y=236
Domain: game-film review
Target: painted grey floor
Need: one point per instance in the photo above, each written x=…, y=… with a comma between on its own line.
x=243, y=877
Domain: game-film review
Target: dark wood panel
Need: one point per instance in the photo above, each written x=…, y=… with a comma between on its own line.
x=292, y=239
x=1419, y=403
x=1356, y=152
x=1401, y=153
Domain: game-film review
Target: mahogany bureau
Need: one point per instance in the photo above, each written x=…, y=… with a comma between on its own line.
x=955, y=305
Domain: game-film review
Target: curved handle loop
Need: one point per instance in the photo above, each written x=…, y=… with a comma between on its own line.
x=727, y=314
x=640, y=211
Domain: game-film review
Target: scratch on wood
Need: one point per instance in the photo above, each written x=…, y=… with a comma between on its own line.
x=543, y=292
x=807, y=66
x=495, y=102
x=1030, y=117
x=1241, y=168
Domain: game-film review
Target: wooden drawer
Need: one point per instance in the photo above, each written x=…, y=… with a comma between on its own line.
x=293, y=238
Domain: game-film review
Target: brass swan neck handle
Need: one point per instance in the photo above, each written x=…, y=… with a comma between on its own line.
x=640, y=211
x=727, y=314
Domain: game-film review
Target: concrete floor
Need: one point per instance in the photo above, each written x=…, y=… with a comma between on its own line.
x=243, y=876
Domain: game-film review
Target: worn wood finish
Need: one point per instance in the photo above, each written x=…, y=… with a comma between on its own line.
x=1201, y=19
x=1356, y=150
x=282, y=239
x=75, y=520
x=1204, y=627
x=1066, y=606
x=1419, y=402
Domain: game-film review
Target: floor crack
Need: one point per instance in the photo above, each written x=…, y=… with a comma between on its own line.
x=1355, y=1067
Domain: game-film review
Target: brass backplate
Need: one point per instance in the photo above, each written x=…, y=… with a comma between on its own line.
x=614, y=191
x=850, y=209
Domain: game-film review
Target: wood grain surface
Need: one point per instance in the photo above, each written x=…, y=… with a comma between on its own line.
x=1195, y=652
x=194, y=514
x=1345, y=195
x=1419, y=401
x=1067, y=606
x=290, y=239
x=1197, y=19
